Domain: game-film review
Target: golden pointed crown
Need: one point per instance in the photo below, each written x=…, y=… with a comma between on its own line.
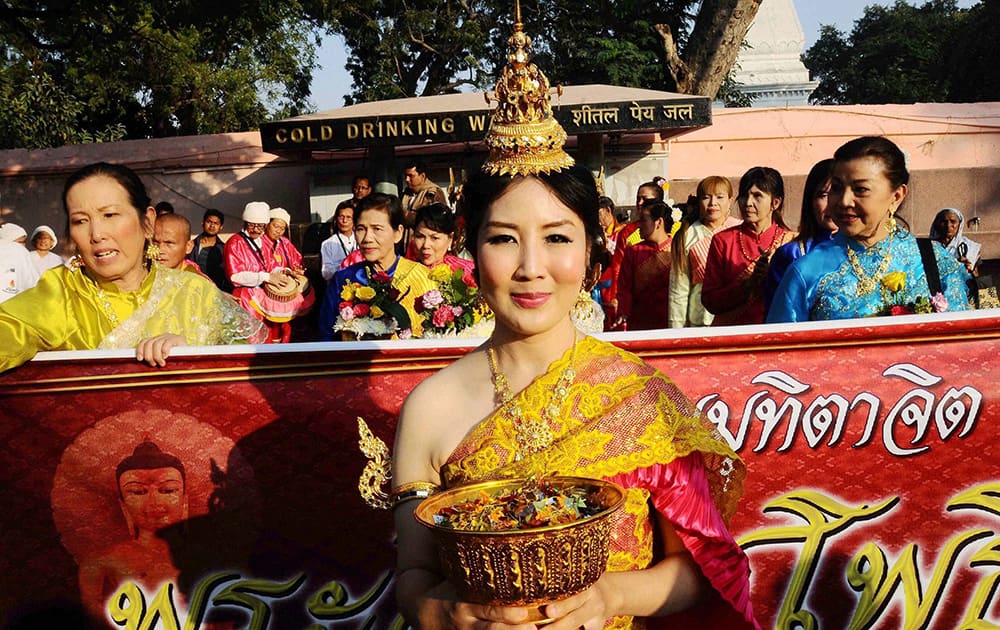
x=524, y=137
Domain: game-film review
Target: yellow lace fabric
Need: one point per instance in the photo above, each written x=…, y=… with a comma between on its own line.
x=185, y=304
x=620, y=415
x=68, y=310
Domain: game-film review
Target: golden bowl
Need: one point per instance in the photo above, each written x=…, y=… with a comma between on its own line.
x=523, y=567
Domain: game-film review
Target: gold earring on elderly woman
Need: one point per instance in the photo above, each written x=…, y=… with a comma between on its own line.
x=891, y=221
x=152, y=252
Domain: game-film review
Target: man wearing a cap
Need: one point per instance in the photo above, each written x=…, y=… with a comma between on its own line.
x=246, y=259
x=13, y=233
x=243, y=255
x=284, y=254
x=275, y=303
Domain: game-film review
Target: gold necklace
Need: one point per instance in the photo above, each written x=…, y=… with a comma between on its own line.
x=533, y=435
x=778, y=233
x=868, y=283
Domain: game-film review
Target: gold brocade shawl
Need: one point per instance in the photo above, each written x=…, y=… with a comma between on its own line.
x=620, y=415
x=412, y=279
x=68, y=310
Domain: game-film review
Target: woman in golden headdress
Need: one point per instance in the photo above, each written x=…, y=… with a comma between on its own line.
x=541, y=398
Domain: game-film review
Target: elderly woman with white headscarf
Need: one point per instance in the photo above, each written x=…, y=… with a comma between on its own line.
x=44, y=240
x=947, y=229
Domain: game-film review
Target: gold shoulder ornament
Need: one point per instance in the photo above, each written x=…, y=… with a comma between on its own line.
x=376, y=472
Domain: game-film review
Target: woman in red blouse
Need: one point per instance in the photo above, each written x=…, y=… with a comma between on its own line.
x=739, y=256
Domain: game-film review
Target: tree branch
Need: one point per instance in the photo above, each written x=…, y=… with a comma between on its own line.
x=715, y=42
x=678, y=70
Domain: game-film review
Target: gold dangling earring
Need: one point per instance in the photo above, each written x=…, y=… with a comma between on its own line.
x=76, y=263
x=152, y=253
x=891, y=223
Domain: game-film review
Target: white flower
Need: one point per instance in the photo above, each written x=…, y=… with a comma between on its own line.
x=362, y=326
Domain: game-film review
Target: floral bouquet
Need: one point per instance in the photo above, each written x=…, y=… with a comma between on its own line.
x=453, y=309
x=373, y=310
x=892, y=286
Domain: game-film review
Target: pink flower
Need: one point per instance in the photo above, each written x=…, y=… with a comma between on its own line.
x=347, y=314
x=457, y=310
x=361, y=310
x=406, y=333
x=432, y=298
x=939, y=302
x=443, y=316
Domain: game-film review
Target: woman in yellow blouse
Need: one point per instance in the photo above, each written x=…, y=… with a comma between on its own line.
x=112, y=295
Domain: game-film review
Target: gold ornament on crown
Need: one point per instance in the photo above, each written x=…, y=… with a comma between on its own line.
x=524, y=137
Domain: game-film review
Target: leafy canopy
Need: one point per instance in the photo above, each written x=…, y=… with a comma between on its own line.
x=93, y=69
x=936, y=52
x=423, y=47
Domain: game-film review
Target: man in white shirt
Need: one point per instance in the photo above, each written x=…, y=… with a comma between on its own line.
x=335, y=249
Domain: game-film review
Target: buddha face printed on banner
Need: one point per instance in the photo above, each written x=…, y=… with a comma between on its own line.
x=126, y=490
x=153, y=498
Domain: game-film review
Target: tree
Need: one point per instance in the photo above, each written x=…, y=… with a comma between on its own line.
x=403, y=48
x=20, y=125
x=713, y=47
x=155, y=67
x=972, y=60
x=897, y=54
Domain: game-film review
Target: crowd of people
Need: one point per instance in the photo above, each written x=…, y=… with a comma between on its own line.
x=539, y=397
x=658, y=266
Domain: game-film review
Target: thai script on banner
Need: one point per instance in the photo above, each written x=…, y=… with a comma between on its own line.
x=129, y=608
x=920, y=413
x=871, y=573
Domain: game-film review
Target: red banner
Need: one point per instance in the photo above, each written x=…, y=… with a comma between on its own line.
x=872, y=497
